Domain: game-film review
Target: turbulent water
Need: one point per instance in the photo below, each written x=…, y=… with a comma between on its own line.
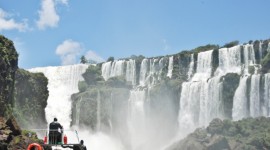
x=200, y=99
x=62, y=82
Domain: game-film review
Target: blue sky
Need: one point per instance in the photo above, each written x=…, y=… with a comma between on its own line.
x=59, y=32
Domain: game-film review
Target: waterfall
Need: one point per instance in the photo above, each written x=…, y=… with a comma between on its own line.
x=260, y=50
x=204, y=67
x=189, y=106
x=191, y=67
x=62, y=82
x=117, y=68
x=131, y=71
x=240, y=101
x=136, y=120
x=199, y=101
x=229, y=60
x=267, y=94
x=143, y=72
x=113, y=69
x=161, y=65
x=78, y=111
x=106, y=70
x=170, y=67
x=249, y=57
x=98, y=111
x=255, y=96
x=268, y=48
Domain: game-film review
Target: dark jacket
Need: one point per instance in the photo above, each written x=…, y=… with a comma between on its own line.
x=54, y=126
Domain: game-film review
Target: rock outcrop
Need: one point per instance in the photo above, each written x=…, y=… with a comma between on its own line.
x=8, y=67
x=249, y=133
x=12, y=137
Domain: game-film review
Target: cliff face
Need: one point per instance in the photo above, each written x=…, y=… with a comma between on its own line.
x=8, y=67
x=249, y=133
x=23, y=95
x=30, y=99
x=13, y=138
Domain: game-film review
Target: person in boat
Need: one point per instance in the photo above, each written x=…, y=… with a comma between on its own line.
x=55, y=132
x=76, y=146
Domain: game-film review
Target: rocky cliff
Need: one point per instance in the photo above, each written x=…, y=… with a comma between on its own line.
x=8, y=67
x=246, y=134
x=30, y=99
x=23, y=95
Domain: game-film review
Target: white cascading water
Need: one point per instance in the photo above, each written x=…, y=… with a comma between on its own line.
x=117, y=68
x=255, y=96
x=229, y=60
x=98, y=111
x=260, y=50
x=191, y=67
x=112, y=69
x=131, y=71
x=196, y=97
x=161, y=65
x=106, y=70
x=136, y=119
x=240, y=101
x=62, y=82
x=266, y=110
x=249, y=57
x=170, y=67
x=204, y=67
x=144, y=71
x=151, y=71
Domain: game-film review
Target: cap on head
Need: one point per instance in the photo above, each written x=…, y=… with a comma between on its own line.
x=55, y=119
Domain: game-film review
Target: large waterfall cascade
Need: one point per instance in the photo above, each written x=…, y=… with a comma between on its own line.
x=200, y=99
x=62, y=82
x=201, y=95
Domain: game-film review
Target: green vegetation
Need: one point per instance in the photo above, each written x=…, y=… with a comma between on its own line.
x=231, y=44
x=246, y=134
x=92, y=75
x=110, y=59
x=230, y=84
x=8, y=67
x=98, y=94
x=266, y=63
x=83, y=60
x=205, y=48
x=30, y=98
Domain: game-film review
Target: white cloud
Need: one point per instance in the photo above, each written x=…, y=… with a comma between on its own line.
x=69, y=50
x=91, y=55
x=7, y=23
x=48, y=16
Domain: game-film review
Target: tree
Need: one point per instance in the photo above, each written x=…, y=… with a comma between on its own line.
x=110, y=59
x=92, y=75
x=231, y=44
x=83, y=60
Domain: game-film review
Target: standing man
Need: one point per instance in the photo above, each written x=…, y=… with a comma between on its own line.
x=55, y=137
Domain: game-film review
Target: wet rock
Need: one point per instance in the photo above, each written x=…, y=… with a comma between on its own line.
x=15, y=128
